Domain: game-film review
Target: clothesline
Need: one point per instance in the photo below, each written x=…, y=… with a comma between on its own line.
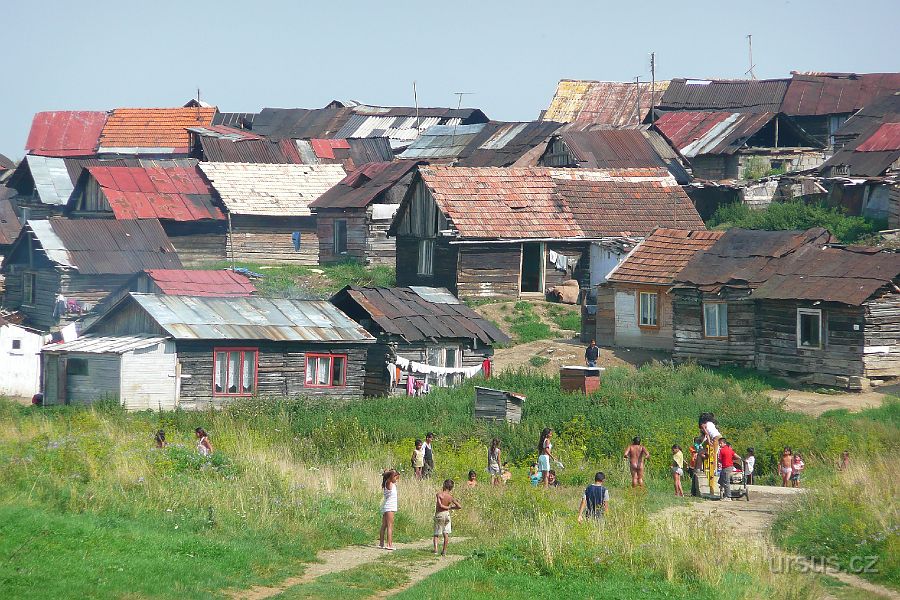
x=426, y=369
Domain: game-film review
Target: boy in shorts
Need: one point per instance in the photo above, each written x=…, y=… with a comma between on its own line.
x=444, y=503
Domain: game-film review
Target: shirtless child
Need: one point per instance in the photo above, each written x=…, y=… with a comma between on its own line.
x=444, y=503
x=636, y=454
x=786, y=467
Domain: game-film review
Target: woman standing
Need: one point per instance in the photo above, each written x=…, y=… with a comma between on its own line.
x=545, y=455
x=493, y=465
x=388, y=508
x=203, y=445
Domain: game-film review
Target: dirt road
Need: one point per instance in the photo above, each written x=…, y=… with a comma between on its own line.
x=567, y=352
x=816, y=403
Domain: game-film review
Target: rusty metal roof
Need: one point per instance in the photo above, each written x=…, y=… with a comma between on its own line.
x=885, y=109
x=9, y=221
x=662, y=255
x=409, y=314
x=885, y=138
x=831, y=274
x=95, y=344
x=835, y=93
x=220, y=143
x=104, y=246
x=65, y=133
x=49, y=177
x=711, y=132
x=363, y=186
x=250, y=318
x=612, y=103
x=732, y=95
x=198, y=282
x=350, y=153
x=873, y=144
x=745, y=258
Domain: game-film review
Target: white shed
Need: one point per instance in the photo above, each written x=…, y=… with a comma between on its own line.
x=20, y=360
x=138, y=371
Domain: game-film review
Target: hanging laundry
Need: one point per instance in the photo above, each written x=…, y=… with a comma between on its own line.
x=561, y=262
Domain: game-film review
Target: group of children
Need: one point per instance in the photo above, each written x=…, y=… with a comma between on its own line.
x=204, y=448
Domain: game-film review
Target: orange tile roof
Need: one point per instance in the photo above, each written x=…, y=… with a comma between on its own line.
x=538, y=202
x=153, y=127
x=662, y=255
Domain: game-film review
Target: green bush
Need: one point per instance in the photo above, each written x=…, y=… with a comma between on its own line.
x=781, y=216
x=538, y=361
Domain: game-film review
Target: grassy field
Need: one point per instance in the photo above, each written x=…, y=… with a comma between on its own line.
x=89, y=508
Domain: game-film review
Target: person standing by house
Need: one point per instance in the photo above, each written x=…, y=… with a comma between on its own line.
x=591, y=354
x=545, y=454
x=389, y=481
x=417, y=460
x=726, y=459
x=595, y=502
x=428, y=469
x=444, y=503
x=493, y=462
x=636, y=454
x=677, y=469
x=694, y=464
x=786, y=466
x=797, y=466
x=204, y=448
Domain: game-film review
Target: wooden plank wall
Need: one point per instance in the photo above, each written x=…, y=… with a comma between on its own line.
x=894, y=207
x=267, y=240
x=201, y=249
x=282, y=370
x=377, y=382
x=445, y=264
x=101, y=382
x=380, y=249
x=149, y=378
x=740, y=347
x=489, y=270
x=357, y=234
x=881, y=357
x=606, y=316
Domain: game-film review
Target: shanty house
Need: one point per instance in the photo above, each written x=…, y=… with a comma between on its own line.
x=422, y=333
x=195, y=352
x=43, y=186
x=58, y=269
x=739, y=145
x=20, y=353
x=634, y=306
x=513, y=231
x=352, y=218
x=269, y=219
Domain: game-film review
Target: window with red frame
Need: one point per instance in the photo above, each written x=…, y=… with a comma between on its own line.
x=326, y=370
x=234, y=371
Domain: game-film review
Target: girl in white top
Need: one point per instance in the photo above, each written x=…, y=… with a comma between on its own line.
x=388, y=507
x=749, y=465
x=203, y=445
x=493, y=465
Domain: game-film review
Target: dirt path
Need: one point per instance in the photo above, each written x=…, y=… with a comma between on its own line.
x=567, y=352
x=344, y=559
x=422, y=571
x=814, y=403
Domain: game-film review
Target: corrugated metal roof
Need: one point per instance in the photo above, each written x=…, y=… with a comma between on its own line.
x=9, y=221
x=415, y=317
x=612, y=103
x=300, y=123
x=51, y=179
x=152, y=130
x=197, y=282
x=224, y=132
x=884, y=110
x=662, y=255
x=235, y=119
x=872, y=141
x=65, y=133
x=251, y=318
x=733, y=95
x=612, y=149
x=363, y=185
x=442, y=141
x=886, y=137
x=173, y=194
x=504, y=144
x=76, y=166
x=711, y=132
x=350, y=153
x=277, y=190
x=836, y=93
x=104, y=246
x=6, y=163
x=92, y=344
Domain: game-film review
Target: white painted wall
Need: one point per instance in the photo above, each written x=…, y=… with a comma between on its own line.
x=602, y=262
x=149, y=378
x=20, y=369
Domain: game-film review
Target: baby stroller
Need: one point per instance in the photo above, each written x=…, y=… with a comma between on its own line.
x=739, y=487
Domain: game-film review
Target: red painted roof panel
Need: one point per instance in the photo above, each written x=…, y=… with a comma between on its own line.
x=836, y=93
x=885, y=139
x=179, y=282
x=325, y=148
x=65, y=133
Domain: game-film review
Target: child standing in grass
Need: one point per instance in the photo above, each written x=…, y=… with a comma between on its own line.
x=797, y=467
x=749, y=465
x=472, y=481
x=160, y=439
x=203, y=445
x=389, y=481
x=636, y=454
x=418, y=459
x=444, y=503
x=493, y=462
x=677, y=469
x=533, y=474
x=786, y=466
x=545, y=455
x=595, y=502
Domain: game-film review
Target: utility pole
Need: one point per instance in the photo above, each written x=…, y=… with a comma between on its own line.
x=652, y=84
x=459, y=95
x=637, y=99
x=750, y=49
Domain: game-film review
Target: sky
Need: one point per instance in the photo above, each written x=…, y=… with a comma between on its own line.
x=508, y=55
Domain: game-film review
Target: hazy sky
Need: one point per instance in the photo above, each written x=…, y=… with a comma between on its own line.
x=102, y=54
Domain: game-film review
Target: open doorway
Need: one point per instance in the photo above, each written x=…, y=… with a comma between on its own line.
x=532, y=277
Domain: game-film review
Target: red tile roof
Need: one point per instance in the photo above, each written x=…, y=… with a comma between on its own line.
x=661, y=256
x=65, y=133
x=517, y=203
x=153, y=127
x=885, y=139
x=181, y=282
x=175, y=193
x=835, y=93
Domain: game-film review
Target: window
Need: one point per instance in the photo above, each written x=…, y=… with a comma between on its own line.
x=426, y=257
x=451, y=358
x=326, y=370
x=17, y=344
x=28, y=286
x=809, y=328
x=234, y=372
x=648, y=309
x=340, y=236
x=77, y=366
x=715, y=320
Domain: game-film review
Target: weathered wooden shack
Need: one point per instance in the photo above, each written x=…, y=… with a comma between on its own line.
x=511, y=232
x=58, y=269
x=180, y=197
x=10, y=226
x=268, y=211
x=421, y=332
x=714, y=315
x=352, y=218
x=210, y=351
x=634, y=306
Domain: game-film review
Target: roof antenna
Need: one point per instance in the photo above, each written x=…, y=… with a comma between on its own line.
x=652, y=85
x=459, y=95
x=637, y=99
x=416, y=100
x=750, y=48
x=198, y=103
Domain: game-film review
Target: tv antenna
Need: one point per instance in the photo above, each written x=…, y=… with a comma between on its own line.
x=416, y=100
x=459, y=96
x=750, y=50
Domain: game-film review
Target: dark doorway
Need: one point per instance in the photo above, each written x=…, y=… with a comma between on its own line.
x=532, y=267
